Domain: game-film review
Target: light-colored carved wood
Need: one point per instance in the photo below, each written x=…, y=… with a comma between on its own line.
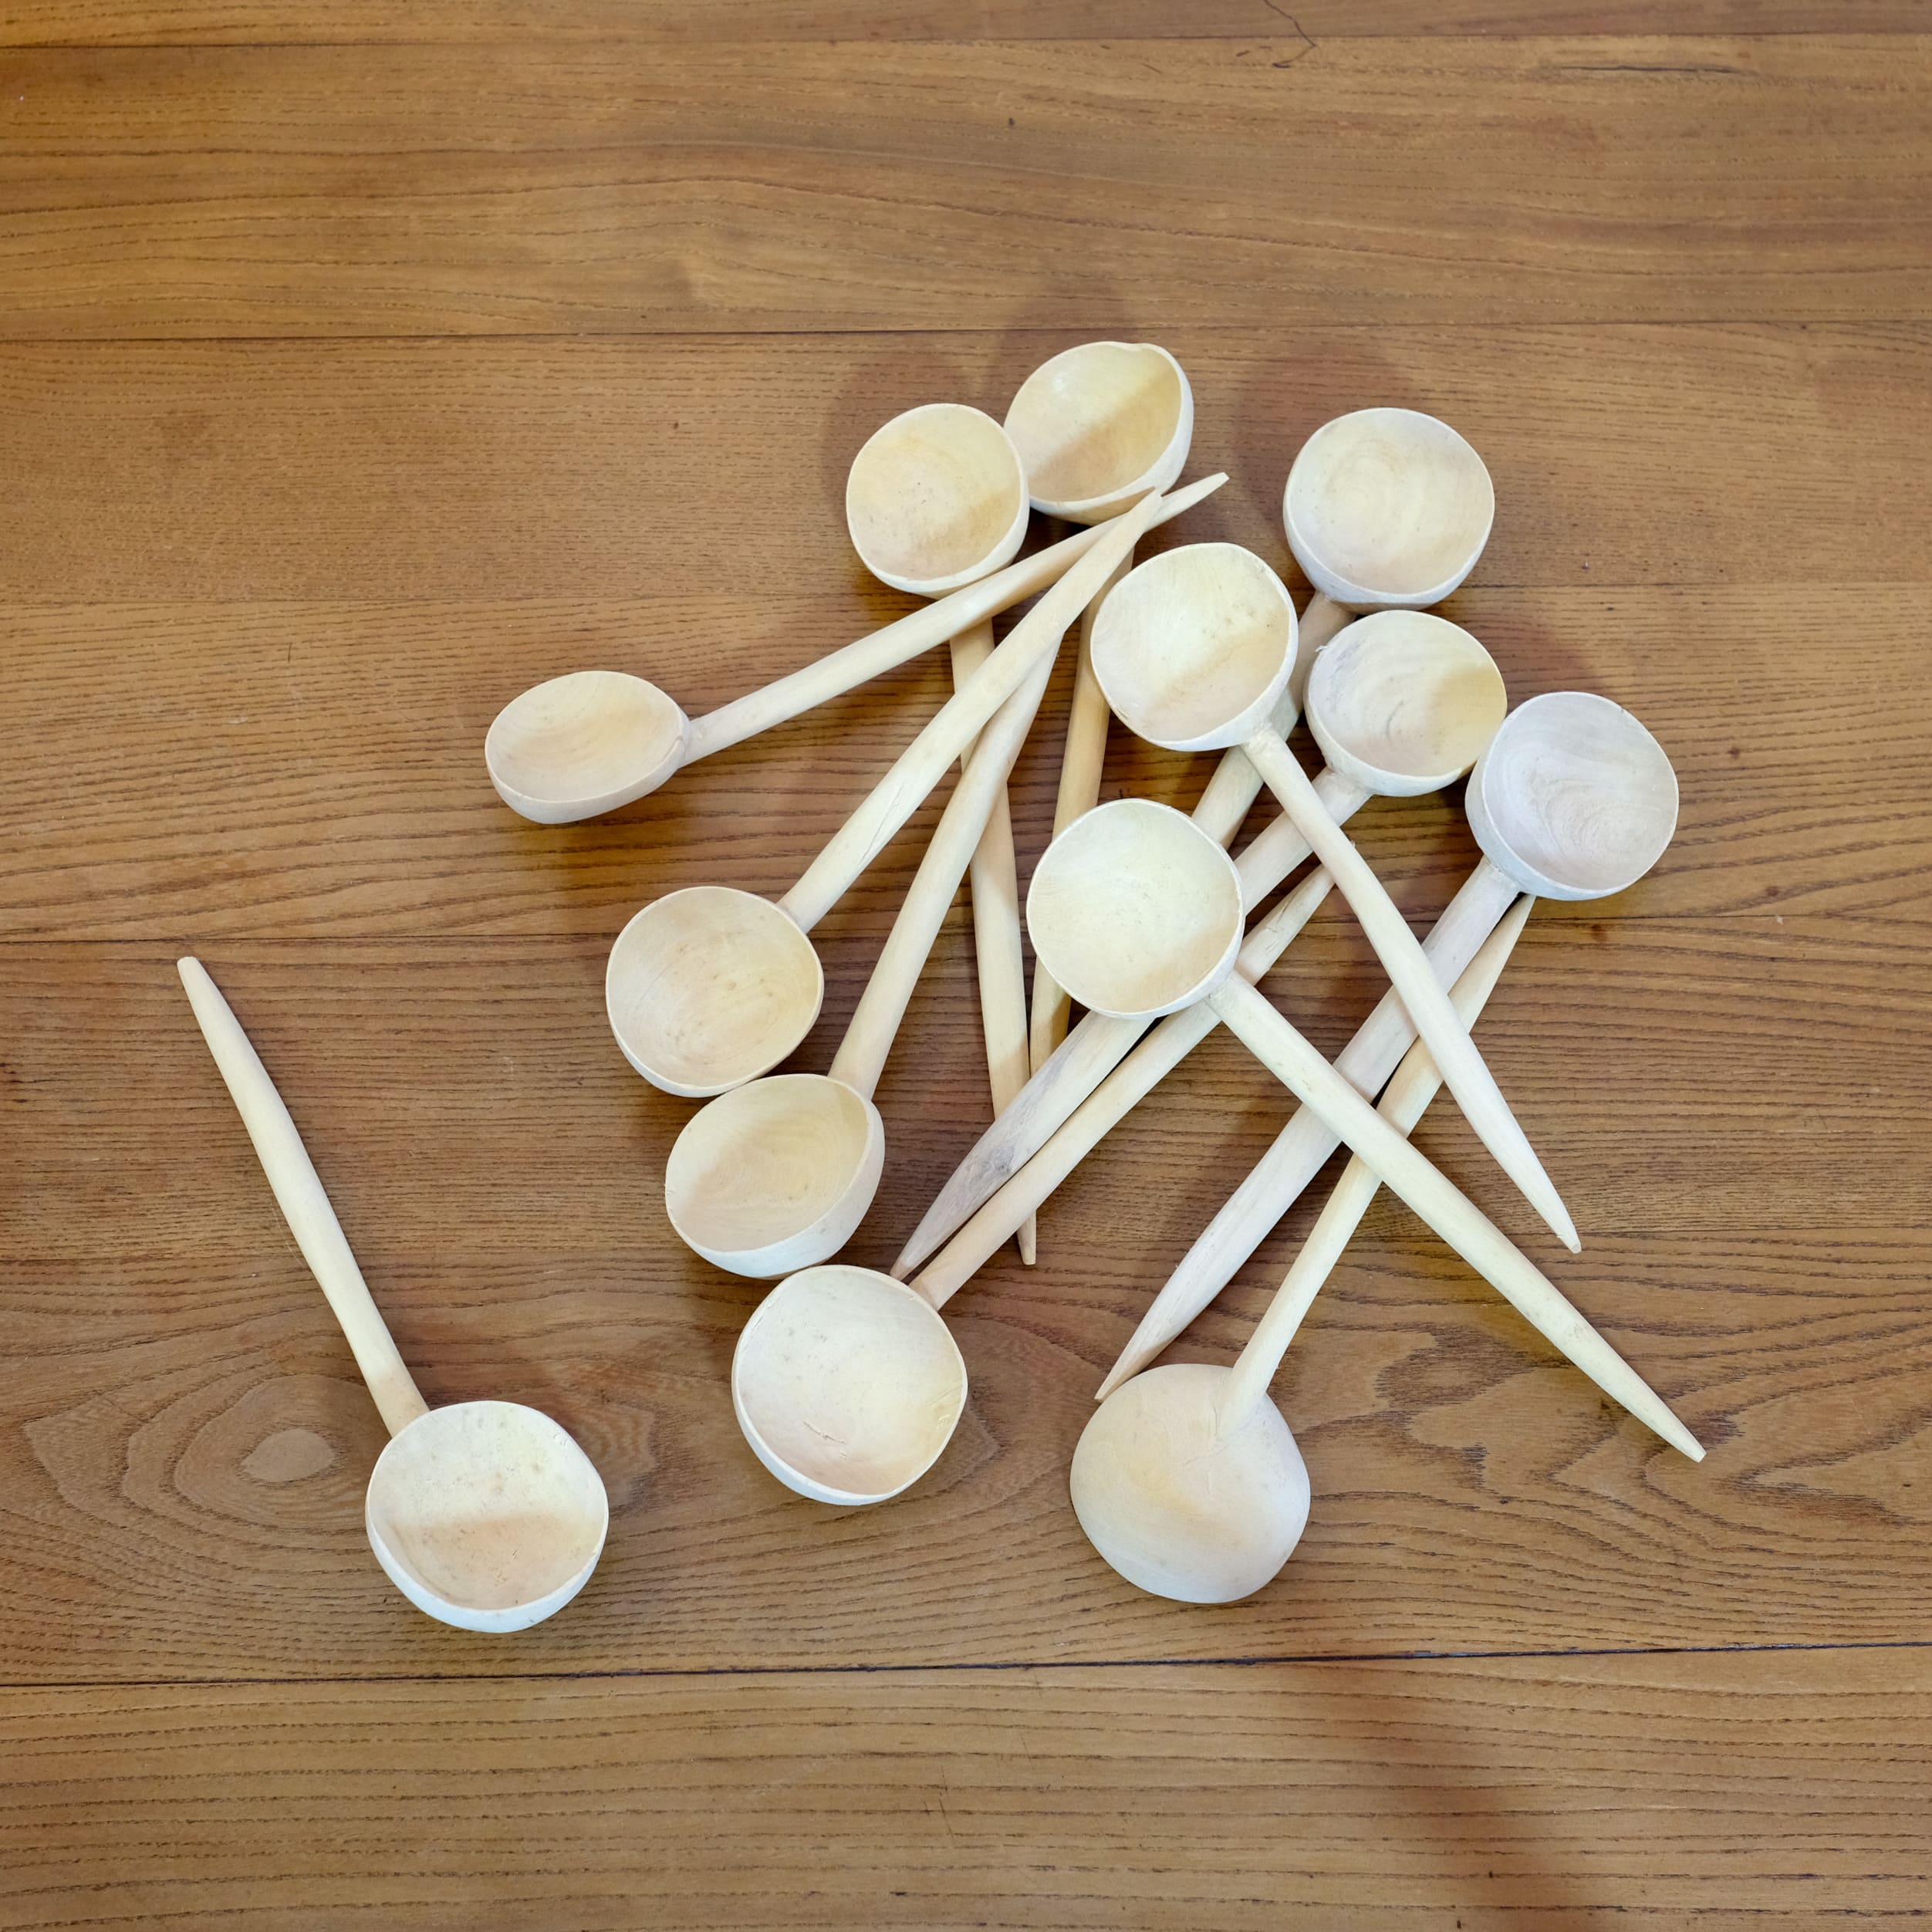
x=484, y=1515
x=1192, y=649
x=711, y=987
x=577, y=746
x=776, y=1175
x=1098, y=425
x=1171, y=900
x=1581, y=799
x=1187, y=1480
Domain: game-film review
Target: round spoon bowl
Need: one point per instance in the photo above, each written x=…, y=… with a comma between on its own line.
x=709, y=987
x=1193, y=647
x=1179, y=1510
x=846, y=1384
x=1387, y=507
x=575, y=746
x=776, y=1175
x=1404, y=703
x=1099, y=426
x=487, y=1514
x=935, y=499
x=1135, y=910
x=1573, y=798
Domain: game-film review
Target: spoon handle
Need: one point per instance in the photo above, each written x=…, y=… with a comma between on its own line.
x=1469, y=1078
x=1443, y=1206
x=999, y=958
x=899, y=643
x=1124, y=1089
x=1082, y=757
x=304, y=1207
x=1301, y=1148
x=1101, y=1042
x=861, y=1057
x=920, y=766
x=1415, y=1083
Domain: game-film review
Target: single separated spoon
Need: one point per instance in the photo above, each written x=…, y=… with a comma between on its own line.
x=1385, y=509
x=1403, y=703
x=1093, y=425
x=708, y=987
x=588, y=742
x=1572, y=799
x=934, y=499
x=777, y=1175
x=1194, y=650
x=486, y=1515
x=1186, y=1479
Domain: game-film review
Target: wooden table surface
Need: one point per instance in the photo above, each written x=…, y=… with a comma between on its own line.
x=360, y=365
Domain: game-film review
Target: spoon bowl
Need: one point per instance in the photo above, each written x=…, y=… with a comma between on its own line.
x=846, y=1384
x=1176, y=1507
x=586, y=743
x=708, y=987
x=1573, y=798
x=1137, y=911
x=937, y=498
x=486, y=1514
x=776, y=1175
x=1404, y=703
x=1387, y=507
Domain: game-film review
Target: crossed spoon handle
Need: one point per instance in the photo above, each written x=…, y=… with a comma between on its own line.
x=1444, y=1206
x=305, y=1206
x=1417, y=1081
x=1300, y=1150
x=1101, y=1042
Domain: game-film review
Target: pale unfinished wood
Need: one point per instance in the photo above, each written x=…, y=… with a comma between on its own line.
x=484, y=1515
x=710, y=986
x=522, y=189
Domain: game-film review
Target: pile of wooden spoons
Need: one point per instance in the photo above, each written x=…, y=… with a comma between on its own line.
x=846, y=1382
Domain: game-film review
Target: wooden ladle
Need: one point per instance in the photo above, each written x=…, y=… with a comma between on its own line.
x=776, y=1175
x=708, y=987
x=1385, y=509
x=588, y=742
x=1403, y=704
x=1138, y=912
x=1407, y=708
x=1187, y=1479
x=1572, y=799
x=927, y=491
x=1194, y=649
x=486, y=1515
x=1092, y=423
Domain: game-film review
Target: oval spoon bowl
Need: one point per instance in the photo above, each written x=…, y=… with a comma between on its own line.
x=1100, y=425
x=577, y=745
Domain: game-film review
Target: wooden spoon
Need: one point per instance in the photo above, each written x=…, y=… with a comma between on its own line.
x=1385, y=509
x=1137, y=912
x=1408, y=701
x=926, y=490
x=777, y=1175
x=1572, y=799
x=592, y=741
x=710, y=986
x=486, y=1515
x=1187, y=1479
x=1194, y=649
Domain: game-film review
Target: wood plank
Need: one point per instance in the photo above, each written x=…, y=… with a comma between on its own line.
x=524, y=189
x=590, y=471
x=183, y=1444
x=270, y=769
x=1722, y=1792
x=92, y=23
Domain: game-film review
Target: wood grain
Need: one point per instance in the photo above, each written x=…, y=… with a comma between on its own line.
x=532, y=189
x=160, y=22
x=1736, y=1791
